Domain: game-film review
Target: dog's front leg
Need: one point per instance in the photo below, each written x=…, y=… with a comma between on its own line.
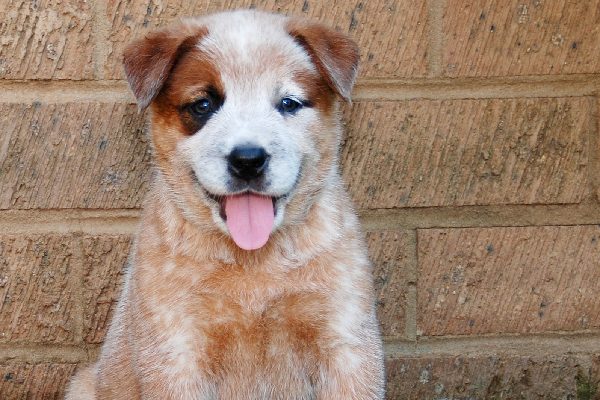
x=355, y=373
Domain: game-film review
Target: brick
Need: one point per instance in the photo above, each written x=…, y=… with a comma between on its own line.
x=46, y=39
x=520, y=37
x=508, y=280
x=84, y=155
x=104, y=259
x=34, y=381
x=493, y=377
x=429, y=153
x=392, y=35
x=36, y=296
x=391, y=254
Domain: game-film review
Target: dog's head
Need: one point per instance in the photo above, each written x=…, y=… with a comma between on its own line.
x=244, y=114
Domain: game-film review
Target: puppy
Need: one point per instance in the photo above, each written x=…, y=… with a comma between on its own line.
x=249, y=277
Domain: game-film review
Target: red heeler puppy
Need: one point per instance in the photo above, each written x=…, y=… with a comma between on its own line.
x=249, y=277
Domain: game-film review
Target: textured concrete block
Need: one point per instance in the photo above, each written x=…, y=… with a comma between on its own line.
x=520, y=37
x=46, y=39
x=20, y=381
x=74, y=155
x=36, y=295
x=493, y=377
x=392, y=255
x=468, y=152
x=104, y=259
x=508, y=280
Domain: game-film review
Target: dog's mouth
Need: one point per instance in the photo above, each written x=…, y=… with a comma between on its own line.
x=220, y=200
x=248, y=215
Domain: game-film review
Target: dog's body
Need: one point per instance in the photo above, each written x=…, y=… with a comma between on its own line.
x=249, y=277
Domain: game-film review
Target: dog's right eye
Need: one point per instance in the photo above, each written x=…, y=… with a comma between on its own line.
x=202, y=107
x=288, y=105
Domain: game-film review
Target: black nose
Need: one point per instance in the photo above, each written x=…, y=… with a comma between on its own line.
x=248, y=162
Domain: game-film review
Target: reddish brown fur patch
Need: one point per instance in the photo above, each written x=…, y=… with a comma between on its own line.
x=149, y=61
x=320, y=95
x=334, y=54
x=192, y=78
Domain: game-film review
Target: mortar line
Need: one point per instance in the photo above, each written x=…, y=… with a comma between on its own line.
x=19, y=91
x=76, y=277
x=493, y=88
x=594, y=149
x=96, y=222
x=508, y=345
x=481, y=216
x=125, y=221
x=39, y=353
x=410, y=330
x=100, y=32
x=57, y=92
x=435, y=13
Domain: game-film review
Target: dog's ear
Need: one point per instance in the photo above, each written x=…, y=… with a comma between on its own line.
x=149, y=61
x=334, y=54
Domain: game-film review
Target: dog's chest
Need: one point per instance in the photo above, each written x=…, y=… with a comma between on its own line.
x=246, y=338
x=287, y=328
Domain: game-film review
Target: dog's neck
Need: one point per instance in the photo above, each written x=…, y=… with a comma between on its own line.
x=329, y=218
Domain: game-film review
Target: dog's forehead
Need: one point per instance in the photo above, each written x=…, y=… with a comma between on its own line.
x=247, y=54
x=250, y=41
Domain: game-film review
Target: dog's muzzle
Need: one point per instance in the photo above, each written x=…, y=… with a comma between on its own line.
x=249, y=215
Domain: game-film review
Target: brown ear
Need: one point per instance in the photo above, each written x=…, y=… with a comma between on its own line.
x=148, y=61
x=334, y=54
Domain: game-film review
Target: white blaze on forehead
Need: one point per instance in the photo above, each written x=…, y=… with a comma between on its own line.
x=246, y=41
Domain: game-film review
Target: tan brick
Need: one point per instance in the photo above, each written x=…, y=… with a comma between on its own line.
x=85, y=155
x=46, y=39
x=508, y=280
x=104, y=259
x=468, y=152
x=392, y=35
x=391, y=254
x=36, y=296
x=20, y=381
x=520, y=37
x=493, y=377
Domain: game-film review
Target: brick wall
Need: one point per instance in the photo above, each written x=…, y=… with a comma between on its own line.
x=472, y=151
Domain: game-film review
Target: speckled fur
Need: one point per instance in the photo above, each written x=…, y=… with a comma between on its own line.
x=198, y=317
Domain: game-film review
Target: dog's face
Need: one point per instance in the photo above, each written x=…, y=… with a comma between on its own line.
x=245, y=128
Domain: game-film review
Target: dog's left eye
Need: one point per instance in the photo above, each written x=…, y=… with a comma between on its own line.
x=287, y=105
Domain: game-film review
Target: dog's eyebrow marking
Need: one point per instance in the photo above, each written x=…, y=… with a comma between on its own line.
x=198, y=92
x=193, y=90
x=294, y=91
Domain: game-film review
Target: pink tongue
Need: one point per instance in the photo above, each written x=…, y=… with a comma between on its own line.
x=249, y=219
